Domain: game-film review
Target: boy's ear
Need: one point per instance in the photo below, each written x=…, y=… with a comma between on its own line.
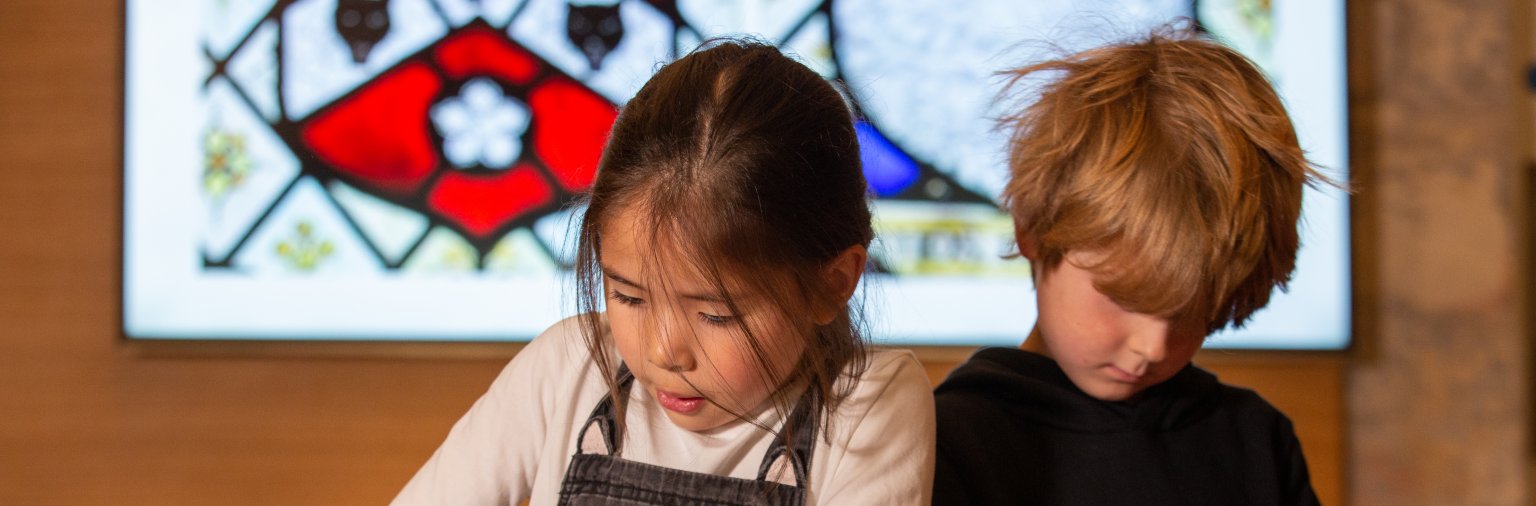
x=842, y=275
x=1028, y=248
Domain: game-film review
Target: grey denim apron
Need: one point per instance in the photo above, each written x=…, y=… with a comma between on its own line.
x=596, y=475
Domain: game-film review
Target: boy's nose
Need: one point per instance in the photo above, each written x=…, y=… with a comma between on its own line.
x=669, y=348
x=1151, y=343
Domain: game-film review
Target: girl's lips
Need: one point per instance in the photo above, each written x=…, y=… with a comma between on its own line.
x=681, y=405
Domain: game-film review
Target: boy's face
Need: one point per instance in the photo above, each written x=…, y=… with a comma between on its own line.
x=1110, y=353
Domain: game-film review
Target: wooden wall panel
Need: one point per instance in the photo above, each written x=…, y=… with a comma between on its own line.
x=1439, y=394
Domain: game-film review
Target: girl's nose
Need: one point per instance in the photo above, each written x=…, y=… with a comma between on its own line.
x=670, y=347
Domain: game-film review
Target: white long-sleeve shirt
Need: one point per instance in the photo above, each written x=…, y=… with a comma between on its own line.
x=515, y=442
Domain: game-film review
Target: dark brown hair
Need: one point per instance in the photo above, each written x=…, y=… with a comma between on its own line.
x=1174, y=157
x=747, y=163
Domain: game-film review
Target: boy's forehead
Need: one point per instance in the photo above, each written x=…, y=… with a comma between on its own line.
x=1100, y=267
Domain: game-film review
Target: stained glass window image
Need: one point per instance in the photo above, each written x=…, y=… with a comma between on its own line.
x=410, y=169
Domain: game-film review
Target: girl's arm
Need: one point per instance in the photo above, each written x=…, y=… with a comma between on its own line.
x=491, y=456
x=888, y=437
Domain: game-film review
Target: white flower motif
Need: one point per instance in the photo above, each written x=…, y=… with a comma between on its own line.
x=481, y=126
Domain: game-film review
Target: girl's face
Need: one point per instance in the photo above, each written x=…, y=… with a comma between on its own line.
x=678, y=337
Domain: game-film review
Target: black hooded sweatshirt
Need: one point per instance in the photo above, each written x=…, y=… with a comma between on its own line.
x=1013, y=429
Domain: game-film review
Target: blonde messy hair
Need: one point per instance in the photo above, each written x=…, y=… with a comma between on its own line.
x=1174, y=158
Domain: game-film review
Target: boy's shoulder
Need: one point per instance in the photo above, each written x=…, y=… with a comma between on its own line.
x=1246, y=401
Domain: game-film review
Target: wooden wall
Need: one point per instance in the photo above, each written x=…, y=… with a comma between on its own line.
x=1439, y=389
x=86, y=419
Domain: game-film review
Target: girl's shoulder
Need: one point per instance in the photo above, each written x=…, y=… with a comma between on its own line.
x=892, y=357
x=555, y=360
x=563, y=342
x=879, y=446
x=888, y=365
x=893, y=381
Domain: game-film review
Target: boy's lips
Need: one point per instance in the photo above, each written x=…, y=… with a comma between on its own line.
x=1123, y=376
x=679, y=404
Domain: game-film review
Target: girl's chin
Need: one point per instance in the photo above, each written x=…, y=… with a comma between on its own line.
x=700, y=422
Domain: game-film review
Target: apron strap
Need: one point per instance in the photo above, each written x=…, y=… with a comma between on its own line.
x=791, y=464
x=606, y=440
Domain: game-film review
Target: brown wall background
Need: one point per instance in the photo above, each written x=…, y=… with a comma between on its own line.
x=1438, y=392
x=86, y=419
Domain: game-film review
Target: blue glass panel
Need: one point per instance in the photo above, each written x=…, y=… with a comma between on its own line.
x=888, y=170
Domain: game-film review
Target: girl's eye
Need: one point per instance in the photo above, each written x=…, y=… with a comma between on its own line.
x=624, y=299
x=716, y=320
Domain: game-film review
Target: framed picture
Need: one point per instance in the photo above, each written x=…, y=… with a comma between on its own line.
x=410, y=169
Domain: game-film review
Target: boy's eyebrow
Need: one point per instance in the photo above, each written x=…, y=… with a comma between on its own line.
x=705, y=297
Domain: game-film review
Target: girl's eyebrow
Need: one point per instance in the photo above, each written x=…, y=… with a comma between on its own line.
x=718, y=299
x=705, y=297
x=621, y=279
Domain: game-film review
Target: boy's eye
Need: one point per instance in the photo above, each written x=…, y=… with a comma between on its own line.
x=624, y=299
x=716, y=320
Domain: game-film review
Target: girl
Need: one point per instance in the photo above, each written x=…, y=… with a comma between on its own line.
x=725, y=235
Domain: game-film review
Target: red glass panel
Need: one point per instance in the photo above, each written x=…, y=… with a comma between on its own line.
x=480, y=50
x=379, y=135
x=570, y=125
x=484, y=203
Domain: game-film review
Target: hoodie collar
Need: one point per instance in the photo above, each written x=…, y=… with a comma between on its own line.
x=1034, y=387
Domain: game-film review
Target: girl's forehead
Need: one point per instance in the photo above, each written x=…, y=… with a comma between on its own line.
x=661, y=254
x=637, y=254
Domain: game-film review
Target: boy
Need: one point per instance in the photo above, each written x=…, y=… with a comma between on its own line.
x=1156, y=187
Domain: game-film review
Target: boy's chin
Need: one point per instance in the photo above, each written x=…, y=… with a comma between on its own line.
x=1114, y=395
x=1108, y=391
